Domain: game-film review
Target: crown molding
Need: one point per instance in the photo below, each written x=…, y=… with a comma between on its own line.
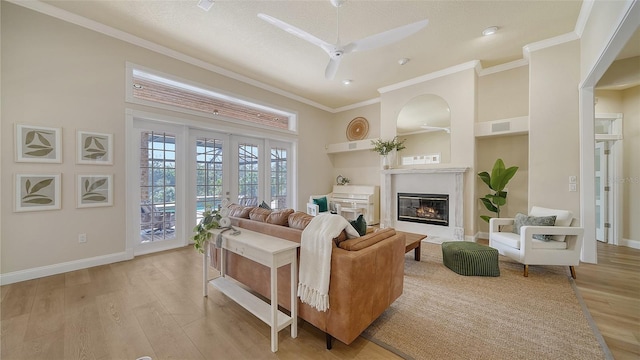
x=583, y=17
x=434, y=75
x=560, y=39
x=503, y=67
x=132, y=39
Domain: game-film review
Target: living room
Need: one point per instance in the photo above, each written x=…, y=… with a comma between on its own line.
x=80, y=75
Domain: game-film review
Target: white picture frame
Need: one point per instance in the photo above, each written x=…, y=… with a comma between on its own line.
x=94, y=190
x=94, y=148
x=38, y=144
x=37, y=192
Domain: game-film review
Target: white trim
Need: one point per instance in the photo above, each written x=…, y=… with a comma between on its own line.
x=434, y=75
x=634, y=244
x=583, y=17
x=126, y=37
x=478, y=235
x=48, y=270
x=503, y=67
x=356, y=105
x=543, y=44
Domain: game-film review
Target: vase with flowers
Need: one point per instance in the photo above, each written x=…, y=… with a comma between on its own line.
x=387, y=147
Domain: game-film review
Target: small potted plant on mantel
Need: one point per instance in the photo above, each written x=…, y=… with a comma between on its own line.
x=384, y=148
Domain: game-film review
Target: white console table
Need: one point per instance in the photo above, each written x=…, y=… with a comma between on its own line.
x=266, y=250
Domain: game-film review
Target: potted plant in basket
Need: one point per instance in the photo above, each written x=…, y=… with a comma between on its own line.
x=384, y=148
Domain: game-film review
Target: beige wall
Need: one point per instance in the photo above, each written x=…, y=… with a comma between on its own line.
x=61, y=75
x=554, y=134
x=627, y=102
x=458, y=90
x=514, y=151
x=361, y=167
x=504, y=94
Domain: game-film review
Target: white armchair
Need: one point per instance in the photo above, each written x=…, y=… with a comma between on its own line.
x=314, y=209
x=563, y=250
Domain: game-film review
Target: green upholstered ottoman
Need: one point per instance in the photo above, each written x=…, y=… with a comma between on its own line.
x=470, y=259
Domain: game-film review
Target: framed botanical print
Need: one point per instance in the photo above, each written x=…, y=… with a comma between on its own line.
x=38, y=144
x=94, y=190
x=94, y=148
x=36, y=192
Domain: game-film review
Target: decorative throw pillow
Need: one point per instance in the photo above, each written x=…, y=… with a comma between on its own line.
x=360, y=224
x=264, y=205
x=322, y=204
x=522, y=220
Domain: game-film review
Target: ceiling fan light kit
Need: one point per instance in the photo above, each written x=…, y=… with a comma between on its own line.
x=337, y=51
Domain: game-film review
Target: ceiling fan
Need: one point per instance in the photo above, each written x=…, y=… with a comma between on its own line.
x=337, y=51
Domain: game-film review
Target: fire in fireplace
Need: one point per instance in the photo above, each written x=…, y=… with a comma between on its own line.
x=424, y=208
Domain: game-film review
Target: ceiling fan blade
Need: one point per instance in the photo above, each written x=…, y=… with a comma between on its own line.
x=297, y=32
x=332, y=68
x=385, y=38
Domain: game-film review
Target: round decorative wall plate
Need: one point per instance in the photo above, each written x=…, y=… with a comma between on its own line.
x=357, y=129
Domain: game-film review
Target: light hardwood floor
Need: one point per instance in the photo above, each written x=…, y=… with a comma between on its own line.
x=153, y=306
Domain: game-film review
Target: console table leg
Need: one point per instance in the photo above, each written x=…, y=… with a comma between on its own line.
x=274, y=309
x=205, y=270
x=294, y=297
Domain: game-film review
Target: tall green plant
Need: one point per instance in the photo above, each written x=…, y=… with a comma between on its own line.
x=497, y=181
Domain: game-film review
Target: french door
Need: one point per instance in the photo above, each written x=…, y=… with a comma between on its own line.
x=239, y=169
x=158, y=162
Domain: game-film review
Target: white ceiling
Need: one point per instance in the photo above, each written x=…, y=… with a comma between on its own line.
x=231, y=36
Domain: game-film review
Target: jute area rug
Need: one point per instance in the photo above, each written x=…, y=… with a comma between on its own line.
x=443, y=315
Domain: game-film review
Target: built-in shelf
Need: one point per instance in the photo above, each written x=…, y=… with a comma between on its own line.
x=503, y=127
x=349, y=146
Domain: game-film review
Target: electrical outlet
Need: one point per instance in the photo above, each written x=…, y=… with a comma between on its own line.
x=573, y=179
x=82, y=238
x=573, y=187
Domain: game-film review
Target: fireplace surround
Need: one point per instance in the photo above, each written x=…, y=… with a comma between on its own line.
x=437, y=180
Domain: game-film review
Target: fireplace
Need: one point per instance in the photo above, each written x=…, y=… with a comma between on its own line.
x=424, y=208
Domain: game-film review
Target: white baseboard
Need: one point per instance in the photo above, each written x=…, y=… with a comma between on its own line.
x=630, y=243
x=480, y=235
x=34, y=273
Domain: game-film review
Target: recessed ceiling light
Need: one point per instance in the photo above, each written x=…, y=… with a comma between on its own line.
x=403, y=61
x=490, y=30
x=205, y=4
x=346, y=81
x=137, y=86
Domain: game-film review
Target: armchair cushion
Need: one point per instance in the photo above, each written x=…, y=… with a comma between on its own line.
x=323, y=206
x=563, y=218
x=513, y=240
x=523, y=220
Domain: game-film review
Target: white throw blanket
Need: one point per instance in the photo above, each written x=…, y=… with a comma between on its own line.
x=315, y=258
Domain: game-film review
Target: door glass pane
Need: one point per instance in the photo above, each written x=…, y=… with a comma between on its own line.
x=248, y=174
x=208, y=175
x=157, y=186
x=278, y=178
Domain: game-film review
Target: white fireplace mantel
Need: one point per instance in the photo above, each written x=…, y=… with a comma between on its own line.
x=441, y=180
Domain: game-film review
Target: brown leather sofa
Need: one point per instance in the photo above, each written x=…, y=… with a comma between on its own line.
x=366, y=272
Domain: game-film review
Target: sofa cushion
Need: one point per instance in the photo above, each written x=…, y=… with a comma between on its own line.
x=522, y=220
x=563, y=218
x=323, y=206
x=279, y=217
x=299, y=220
x=239, y=211
x=259, y=214
x=513, y=240
x=362, y=242
x=360, y=224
